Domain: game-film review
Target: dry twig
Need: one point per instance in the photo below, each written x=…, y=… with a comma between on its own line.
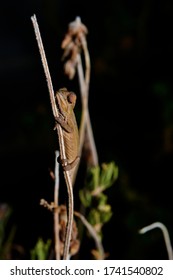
x=165, y=235
x=56, y=214
x=93, y=233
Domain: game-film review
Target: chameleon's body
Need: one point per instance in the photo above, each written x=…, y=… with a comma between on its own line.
x=66, y=102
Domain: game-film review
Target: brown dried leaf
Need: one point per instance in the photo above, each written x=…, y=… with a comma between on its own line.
x=69, y=68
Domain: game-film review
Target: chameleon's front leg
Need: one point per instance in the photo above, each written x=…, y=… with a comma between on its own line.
x=63, y=123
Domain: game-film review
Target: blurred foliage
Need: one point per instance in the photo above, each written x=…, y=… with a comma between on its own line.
x=164, y=92
x=6, y=236
x=41, y=250
x=92, y=197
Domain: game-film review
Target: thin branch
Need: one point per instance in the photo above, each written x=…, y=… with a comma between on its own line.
x=165, y=235
x=93, y=234
x=70, y=215
x=84, y=80
x=85, y=124
x=84, y=101
x=56, y=212
x=60, y=136
x=45, y=65
x=90, y=139
x=87, y=63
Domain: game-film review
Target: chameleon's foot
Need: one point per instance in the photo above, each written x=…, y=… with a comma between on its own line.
x=63, y=123
x=68, y=166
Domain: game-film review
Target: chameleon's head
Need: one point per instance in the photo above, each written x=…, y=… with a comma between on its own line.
x=66, y=100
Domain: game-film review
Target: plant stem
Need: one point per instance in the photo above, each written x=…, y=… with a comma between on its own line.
x=85, y=131
x=70, y=215
x=93, y=234
x=56, y=212
x=165, y=235
x=45, y=65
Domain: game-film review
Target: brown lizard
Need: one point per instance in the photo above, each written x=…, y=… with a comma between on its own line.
x=65, y=102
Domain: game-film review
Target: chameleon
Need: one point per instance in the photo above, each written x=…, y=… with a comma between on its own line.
x=65, y=102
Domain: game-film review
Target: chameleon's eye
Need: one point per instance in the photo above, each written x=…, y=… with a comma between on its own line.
x=71, y=98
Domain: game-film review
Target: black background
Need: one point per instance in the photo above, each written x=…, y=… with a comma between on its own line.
x=131, y=107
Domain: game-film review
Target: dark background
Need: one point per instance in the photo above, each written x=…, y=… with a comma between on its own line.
x=131, y=106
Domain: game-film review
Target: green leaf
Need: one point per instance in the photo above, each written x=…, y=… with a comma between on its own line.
x=85, y=197
x=93, y=178
x=94, y=217
x=105, y=217
x=109, y=173
x=41, y=250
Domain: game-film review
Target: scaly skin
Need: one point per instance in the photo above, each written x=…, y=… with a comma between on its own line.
x=66, y=103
